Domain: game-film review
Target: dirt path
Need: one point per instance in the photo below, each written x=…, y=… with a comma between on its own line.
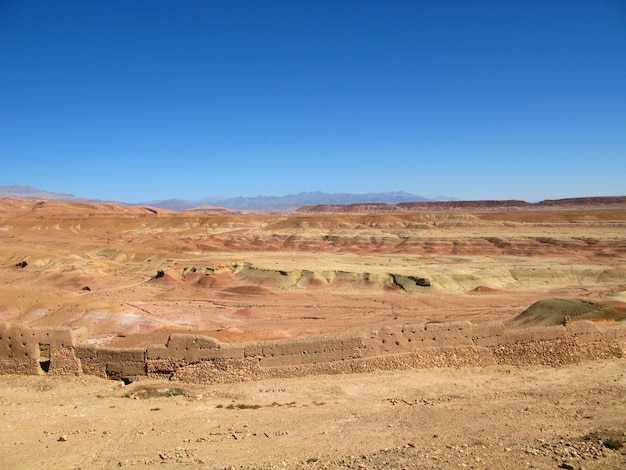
x=495, y=417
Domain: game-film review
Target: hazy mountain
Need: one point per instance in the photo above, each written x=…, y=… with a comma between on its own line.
x=258, y=203
x=288, y=202
x=27, y=192
x=309, y=200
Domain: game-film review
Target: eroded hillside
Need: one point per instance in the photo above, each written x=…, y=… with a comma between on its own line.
x=133, y=275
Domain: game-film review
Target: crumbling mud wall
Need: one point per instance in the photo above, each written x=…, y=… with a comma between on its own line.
x=202, y=359
x=51, y=350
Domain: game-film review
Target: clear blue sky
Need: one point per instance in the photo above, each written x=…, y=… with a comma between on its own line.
x=144, y=100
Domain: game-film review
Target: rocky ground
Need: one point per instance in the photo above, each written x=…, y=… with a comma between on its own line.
x=495, y=417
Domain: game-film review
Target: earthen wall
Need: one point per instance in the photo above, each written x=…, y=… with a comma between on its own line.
x=202, y=359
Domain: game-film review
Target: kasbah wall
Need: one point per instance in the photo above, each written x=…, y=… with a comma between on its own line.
x=202, y=359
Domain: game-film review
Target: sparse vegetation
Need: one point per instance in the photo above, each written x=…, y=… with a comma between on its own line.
x=613, y=444
x=153, y=392
x=242, y=406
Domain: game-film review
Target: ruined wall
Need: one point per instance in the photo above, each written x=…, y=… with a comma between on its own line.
x=51, y=350
x=454, y=344
x=202, y=359
x=114, y=363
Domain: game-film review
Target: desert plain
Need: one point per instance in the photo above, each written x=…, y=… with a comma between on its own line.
x=134, y=276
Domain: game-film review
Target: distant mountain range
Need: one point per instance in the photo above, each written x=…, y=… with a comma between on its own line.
x=323, y=202
x=288, y=202
x=258, y=203
x=18, y=191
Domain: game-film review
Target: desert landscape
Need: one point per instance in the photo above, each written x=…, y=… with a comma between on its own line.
x=484, y=334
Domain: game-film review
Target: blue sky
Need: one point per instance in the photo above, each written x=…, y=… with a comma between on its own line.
x=144, y=100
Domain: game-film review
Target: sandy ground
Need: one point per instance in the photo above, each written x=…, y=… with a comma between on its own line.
x=495, y=417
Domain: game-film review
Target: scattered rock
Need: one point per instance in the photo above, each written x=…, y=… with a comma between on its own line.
x=62, y=438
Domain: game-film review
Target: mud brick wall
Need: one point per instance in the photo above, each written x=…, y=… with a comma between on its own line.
x=559, y=352
x=454, y=344
x=33, y=351
x=398, y=339
x=193, y=348
x=113, y=363
x=426, y=358
x=63, y=361
x=19, y=351
x=90, y=363
x=315, y=350
x=202, y=359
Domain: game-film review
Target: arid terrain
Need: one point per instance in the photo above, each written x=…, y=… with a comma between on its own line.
x=132, y=276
